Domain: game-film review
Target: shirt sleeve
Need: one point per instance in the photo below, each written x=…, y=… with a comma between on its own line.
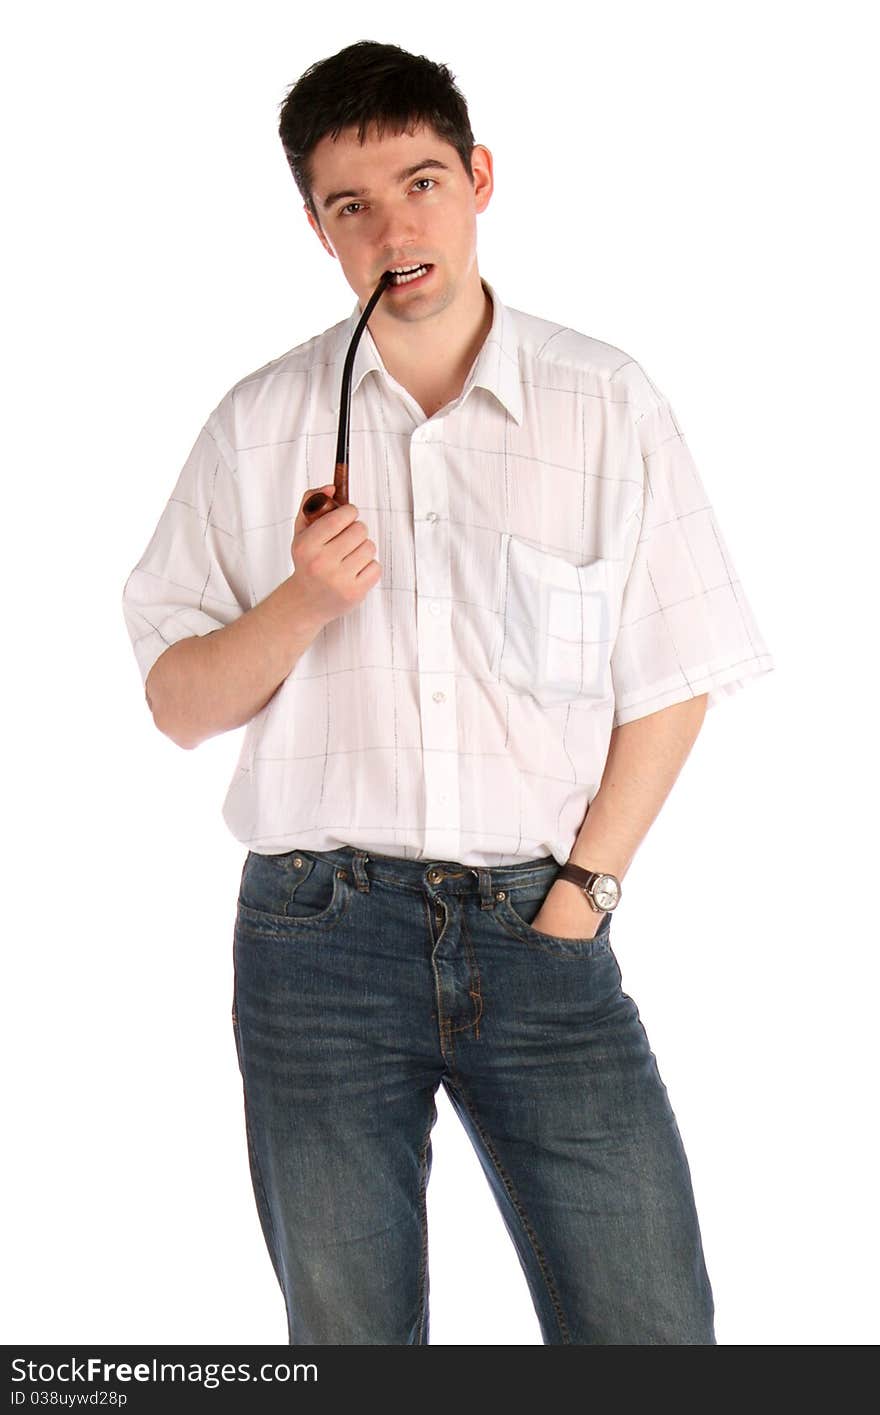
x=192, y=578
x=686, y=627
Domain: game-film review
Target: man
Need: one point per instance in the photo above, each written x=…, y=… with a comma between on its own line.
x=463, y=712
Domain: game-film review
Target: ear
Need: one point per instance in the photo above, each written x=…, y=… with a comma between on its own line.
x=484, y=180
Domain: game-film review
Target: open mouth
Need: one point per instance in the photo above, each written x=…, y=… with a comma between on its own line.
x=410, y=274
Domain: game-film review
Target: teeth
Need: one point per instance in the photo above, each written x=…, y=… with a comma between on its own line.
x=412, y=273
x=401, y=269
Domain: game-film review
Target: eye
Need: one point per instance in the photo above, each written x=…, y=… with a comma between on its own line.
x=416, y=183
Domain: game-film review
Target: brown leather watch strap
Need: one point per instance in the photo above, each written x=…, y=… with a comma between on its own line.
x=577, y=874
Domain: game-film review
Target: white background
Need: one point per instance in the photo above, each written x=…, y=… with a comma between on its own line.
x=689, y=182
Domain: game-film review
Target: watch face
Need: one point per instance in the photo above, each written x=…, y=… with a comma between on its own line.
x=606, y=891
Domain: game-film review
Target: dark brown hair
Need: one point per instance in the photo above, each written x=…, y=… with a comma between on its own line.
x=370, y=84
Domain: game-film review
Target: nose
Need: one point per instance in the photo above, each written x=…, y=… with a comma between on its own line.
x=397, y=235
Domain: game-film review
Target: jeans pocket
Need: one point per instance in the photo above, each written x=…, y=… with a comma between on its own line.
x=557, y=624
x=290, y=890
x=519, y=906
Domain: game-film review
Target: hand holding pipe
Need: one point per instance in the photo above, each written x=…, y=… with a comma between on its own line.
x=320, y=503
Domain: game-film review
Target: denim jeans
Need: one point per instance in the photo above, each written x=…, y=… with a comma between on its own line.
x=363, y=982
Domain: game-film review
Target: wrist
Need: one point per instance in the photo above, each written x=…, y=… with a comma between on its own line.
x=601, y=889
x=579, y=915
x=578, y=889
x=298, y=604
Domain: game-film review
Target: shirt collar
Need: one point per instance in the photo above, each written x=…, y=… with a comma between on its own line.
x=496, y=366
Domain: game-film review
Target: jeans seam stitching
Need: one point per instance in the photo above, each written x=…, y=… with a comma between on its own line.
x=423, y=1219
x=514, y=1198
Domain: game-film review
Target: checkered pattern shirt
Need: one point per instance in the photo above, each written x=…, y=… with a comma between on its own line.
x=551, y=569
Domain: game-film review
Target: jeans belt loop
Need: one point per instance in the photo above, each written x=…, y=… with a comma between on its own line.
x=359, y=860
x=487, y=898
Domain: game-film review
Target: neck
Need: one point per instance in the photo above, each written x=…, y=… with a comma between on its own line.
x=435, y=354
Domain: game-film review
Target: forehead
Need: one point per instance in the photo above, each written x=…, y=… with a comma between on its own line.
x=345, y=157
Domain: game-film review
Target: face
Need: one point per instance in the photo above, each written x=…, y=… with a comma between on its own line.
x=400, y=218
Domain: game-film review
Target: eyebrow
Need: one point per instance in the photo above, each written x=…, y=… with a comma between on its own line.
x=401, y=177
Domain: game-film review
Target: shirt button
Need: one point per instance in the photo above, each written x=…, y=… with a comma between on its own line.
x=436, y=607
x=439, y=697
x=432, y=516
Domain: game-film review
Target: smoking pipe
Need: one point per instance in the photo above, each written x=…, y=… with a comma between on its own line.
x=320, y=503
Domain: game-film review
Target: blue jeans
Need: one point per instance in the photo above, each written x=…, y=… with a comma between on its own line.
x=363, y=982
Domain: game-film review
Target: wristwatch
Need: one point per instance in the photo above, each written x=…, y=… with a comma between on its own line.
x=602, y=889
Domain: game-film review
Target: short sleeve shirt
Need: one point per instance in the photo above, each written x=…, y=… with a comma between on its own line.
x=552, y=569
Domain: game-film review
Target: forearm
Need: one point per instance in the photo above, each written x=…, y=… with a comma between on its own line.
x=213, y=683
x=644, y=759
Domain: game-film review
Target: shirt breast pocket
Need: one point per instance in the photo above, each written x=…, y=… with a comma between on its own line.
x=557, y=624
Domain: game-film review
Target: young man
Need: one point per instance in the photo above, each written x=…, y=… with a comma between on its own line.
x=463, y=712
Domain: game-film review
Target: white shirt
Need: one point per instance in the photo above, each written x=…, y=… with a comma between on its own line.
x=551, y=568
